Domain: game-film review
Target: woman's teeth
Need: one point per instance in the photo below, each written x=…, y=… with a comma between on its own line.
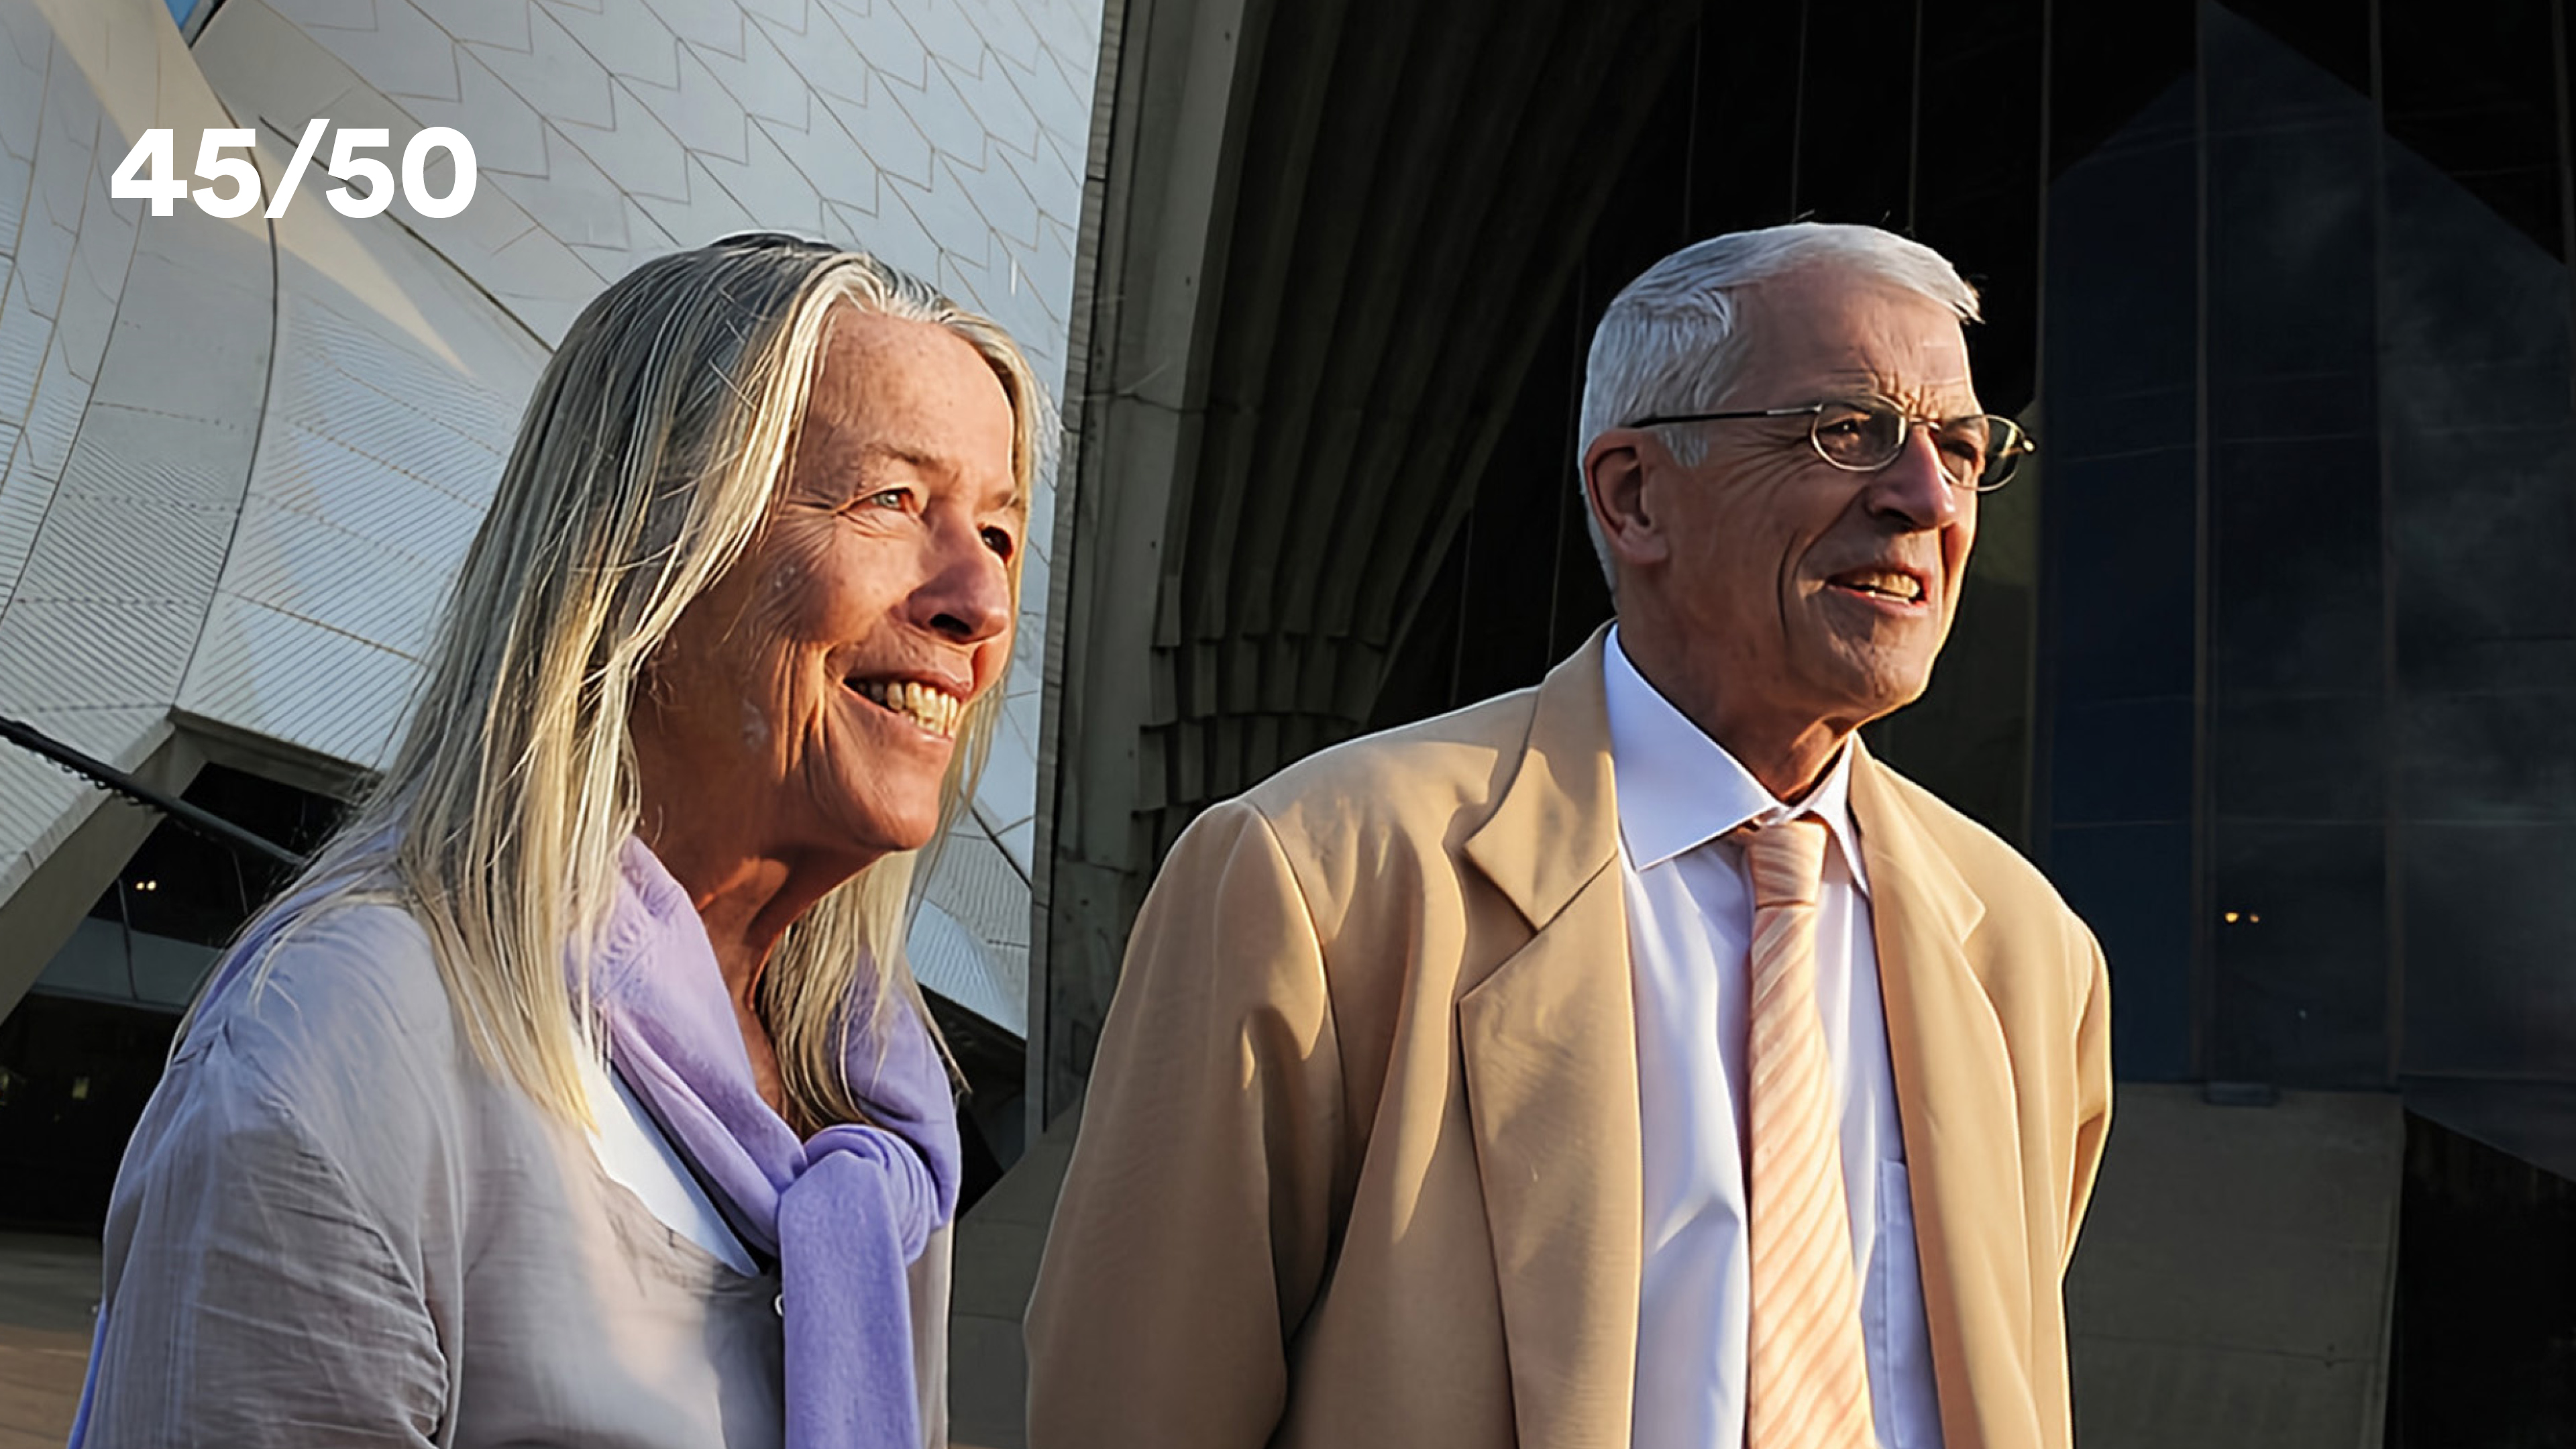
x=935, y=710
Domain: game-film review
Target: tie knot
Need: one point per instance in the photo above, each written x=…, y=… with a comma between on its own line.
x=1786, y=860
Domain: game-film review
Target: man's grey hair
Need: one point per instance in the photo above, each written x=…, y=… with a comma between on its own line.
x=1669, y=343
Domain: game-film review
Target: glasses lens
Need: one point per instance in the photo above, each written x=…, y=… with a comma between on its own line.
x=1979, y=451
x=2005, y=446
x=1858, y=437
x=1965, y=448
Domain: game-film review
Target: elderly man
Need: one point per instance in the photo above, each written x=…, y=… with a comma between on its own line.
x=1634, y=1059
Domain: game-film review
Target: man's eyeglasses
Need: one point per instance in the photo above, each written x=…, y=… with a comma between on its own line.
x=1979, y=451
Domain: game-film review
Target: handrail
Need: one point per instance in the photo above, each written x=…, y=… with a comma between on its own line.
x=107, y=777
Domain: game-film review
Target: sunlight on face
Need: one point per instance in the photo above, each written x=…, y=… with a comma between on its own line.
x=1826, y=592
x=819, y=685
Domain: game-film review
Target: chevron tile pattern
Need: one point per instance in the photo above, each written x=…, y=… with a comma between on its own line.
x=265, y=542
x=133, y=352
x=946, y=135
x=390, y=411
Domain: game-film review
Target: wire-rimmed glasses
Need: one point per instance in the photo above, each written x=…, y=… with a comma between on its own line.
x=1978, y=451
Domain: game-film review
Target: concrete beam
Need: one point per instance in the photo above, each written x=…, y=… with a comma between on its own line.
x=1155, y=230
x=40, y=915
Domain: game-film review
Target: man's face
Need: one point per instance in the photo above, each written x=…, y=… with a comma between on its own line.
x=1822, y=593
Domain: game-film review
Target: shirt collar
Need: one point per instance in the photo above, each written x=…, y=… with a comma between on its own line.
x=1679, y=789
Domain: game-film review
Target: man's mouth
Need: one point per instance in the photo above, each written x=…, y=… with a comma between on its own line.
x=929, y=707
x=1893, y=585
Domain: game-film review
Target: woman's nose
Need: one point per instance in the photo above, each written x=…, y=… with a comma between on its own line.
x=967, y=594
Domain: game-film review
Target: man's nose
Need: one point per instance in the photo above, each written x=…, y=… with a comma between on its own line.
x=1914, y=487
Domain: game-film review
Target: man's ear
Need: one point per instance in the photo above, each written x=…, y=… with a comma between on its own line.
x=1616, y=470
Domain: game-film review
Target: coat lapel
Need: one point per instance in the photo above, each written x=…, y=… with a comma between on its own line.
x=1955, y=1096
x=1550, y=1055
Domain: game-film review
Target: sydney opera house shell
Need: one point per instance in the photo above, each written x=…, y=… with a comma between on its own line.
x=240, y=460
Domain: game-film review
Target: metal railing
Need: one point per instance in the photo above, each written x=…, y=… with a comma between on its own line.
x=107, y=777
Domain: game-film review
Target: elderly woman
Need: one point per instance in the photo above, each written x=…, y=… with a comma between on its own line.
x=579, y=1093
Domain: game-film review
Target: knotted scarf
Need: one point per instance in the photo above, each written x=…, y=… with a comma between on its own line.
x=844, y=1212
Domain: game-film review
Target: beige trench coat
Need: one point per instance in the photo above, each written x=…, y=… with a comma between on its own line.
x=1360, y=1162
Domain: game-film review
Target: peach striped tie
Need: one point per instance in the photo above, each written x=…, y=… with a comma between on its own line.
x=1807, y=1375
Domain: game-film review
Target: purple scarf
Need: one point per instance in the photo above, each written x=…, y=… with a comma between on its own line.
x=845, y=1212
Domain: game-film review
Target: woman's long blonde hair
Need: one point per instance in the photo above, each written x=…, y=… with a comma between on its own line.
x=646, y=463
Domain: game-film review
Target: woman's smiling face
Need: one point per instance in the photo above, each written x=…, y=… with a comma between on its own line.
x=815, y=691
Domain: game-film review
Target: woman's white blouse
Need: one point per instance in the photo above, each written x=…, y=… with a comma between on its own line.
x=333, y=1226
x=633, y=1150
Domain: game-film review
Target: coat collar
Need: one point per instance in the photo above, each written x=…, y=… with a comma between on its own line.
x=1890, y=833
x=1557, y=825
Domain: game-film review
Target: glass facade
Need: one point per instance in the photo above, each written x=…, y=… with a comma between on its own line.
x=2269, y=667
x=2272, y=668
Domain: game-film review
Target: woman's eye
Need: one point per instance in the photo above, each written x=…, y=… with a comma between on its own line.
x=885, y=498
x=999, y=542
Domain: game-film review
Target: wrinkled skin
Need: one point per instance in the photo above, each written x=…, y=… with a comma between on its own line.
x=1745, y=584
x=767, y=774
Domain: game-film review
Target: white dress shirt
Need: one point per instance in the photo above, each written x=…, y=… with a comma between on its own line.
x=1690, y=928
